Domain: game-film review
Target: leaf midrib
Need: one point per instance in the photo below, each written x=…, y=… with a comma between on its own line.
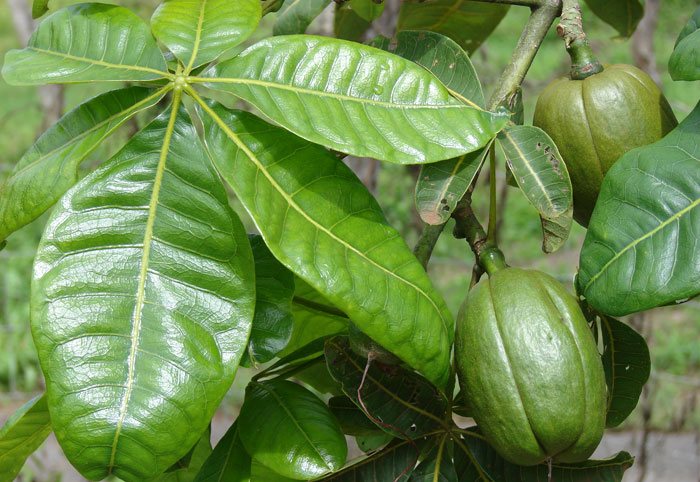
x=232, y=135
x=634, y=243
x=102, y=63
x=197, y=36
x=318, y=93
x=143, y=274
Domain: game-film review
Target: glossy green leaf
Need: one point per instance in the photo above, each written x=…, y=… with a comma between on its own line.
x=50, y=166
x=684, y=63
x=641, y=247
x=288, y=429
x=442, y=57
x=199, y=31
x=394, y=463
x=373, y=442
x=87, y=42
x=352, y=420
x=228, y=462
x=475, y=460
x=627, y=365
x=466, y=22
x=394, y=111
x=142, y=302
x=348, y=25
x=274, y=290
x=622, y=15
x=438, y=465
x=21, y=435
x=442, y=184
x=407, y=405
x=369, y=10
x=39, y=8
x=320, y=221
x=317, y=377
x=295, y=16
x=187, y=468
x=315, y=317
x=541, y=174
x=260, y=473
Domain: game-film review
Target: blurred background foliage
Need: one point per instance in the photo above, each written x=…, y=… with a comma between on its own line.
x=670, y=402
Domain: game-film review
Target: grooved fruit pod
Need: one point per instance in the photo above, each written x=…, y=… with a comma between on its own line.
x=530, y=368
x=596, y=120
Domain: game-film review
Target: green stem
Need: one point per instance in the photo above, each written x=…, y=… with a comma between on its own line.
x=489, y=257
x=426, y=243
x=583, y=61
x=543, y=15
x=491, y=235
x=524, y=3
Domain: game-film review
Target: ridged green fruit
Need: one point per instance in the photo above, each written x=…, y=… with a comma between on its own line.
x=596, y=120
x=530, y=368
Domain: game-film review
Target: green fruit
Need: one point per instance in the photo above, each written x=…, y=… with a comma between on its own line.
x=530, y=368
x=596, y=120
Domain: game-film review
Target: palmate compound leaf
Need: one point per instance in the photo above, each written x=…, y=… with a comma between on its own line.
x=541, y=174
x=87, y=42
x=641, y=249
x=476, y=461
x=355, y=99
x=21, y=435
x=295, y=16
x=442, y=184
x=273, y=322
x=142, y=302
x=405, y=403
x=622, y=15
x=291, y=431
x=466, y=22
x=394, y=463
x=320, y=221
x=50, y=166
x=684, y=63
x=199, y=31
x=627, y=365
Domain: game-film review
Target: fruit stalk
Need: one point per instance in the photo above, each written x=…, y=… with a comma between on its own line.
x=583, y=61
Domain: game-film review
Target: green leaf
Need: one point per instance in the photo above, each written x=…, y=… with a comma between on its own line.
x=438, y=465
x=347, y=24
x=442, y=57
x=394, y=463
x=142, y=302
x=320, y=221
x=260, y=473
x=310, y=85
x=315, y=317
x=475, y=460
x=369, y=10
x=627, y=365
x=39, y=8
x=641, y=247
x=84, y=43
x=274, y=290
x=317, y=377
x=466, y=22
x=442, y=184
x=295, y=16
x=199, y=31
x=541, y=174
x=50, y=166
x=407, y=405
x=622, y=15
x=228, y=462
x=288, y=429
x=684, y=63
x=187, y=468
x=22, y=434
x=352, y=420
x=373, y=442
